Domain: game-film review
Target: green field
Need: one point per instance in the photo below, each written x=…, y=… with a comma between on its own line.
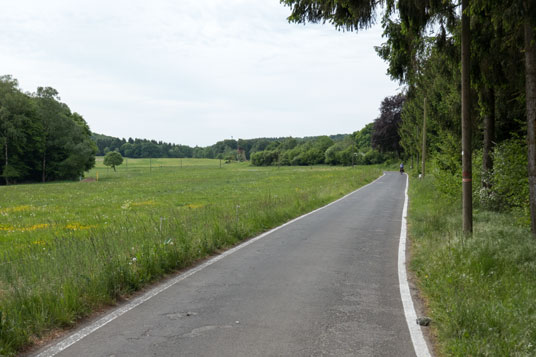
x=70, y=248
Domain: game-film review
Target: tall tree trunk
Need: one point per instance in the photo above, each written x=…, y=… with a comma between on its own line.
x=424, y=141
x=466, y=124
x=530, y=83
x=489, y=137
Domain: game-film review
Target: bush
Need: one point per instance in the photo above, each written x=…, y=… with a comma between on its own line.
x=332, y=155
x=373, y=157
x=446, y=167
x=346, y=156
x=510, y=175
x=507, y=185
x=265, y=158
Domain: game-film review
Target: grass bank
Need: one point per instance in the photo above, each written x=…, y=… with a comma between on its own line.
x=67, y=249
x=480, y=290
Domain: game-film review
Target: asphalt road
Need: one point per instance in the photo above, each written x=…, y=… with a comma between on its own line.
x=325, y=285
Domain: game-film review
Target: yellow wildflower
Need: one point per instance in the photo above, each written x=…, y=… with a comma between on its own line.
x=16, y=209
x=77, y=226
x=34, y=227
x=195, y=205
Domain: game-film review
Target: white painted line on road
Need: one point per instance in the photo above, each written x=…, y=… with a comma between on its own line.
x=75, y=337
x=417, y=337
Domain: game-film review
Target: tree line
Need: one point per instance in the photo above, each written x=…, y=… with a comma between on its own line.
x=41, y=139
x=377, y=142
x=357, y=148
x=140, y=148
x=335, y=149
x=469, y=74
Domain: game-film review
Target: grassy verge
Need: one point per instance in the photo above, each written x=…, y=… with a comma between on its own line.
x=480, y=290
x=67, y=249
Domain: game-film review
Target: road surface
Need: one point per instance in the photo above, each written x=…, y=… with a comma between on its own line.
x=324, y=285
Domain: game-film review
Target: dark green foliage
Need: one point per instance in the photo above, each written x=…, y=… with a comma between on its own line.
x=385, y=136
x=291, y=151
x=150, y=149
x=41, y=139
x=351, y=15
x=140, y=148
x=265, y=158
x=19, y=134
x=510, y=173
x=108, y=143
x=363, y=137
x=507, y=186
x=339, y=154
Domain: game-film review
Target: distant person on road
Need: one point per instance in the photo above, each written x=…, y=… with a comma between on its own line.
x=401, y=168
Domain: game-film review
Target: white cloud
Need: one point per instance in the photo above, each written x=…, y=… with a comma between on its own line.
x=194, y=71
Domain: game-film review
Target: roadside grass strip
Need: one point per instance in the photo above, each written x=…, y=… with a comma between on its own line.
x=479, y=290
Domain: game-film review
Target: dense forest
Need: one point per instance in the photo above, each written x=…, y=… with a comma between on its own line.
x=468, y=71
x=337, y=149
x=140, y=148
x=40, y=138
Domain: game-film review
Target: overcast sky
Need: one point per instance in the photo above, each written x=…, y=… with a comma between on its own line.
x=194, y=71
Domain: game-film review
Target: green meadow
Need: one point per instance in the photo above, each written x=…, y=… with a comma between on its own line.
x=68, y=249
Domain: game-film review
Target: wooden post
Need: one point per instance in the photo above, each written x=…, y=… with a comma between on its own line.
x=467, y=176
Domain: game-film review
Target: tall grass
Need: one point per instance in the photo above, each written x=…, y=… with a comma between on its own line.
x=481, y=289
x=70, y=248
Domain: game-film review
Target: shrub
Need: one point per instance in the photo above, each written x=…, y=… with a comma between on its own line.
x=372, y=157
x=510, y=176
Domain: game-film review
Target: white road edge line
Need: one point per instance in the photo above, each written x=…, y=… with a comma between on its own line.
x=417, y=337
x=75, y=337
